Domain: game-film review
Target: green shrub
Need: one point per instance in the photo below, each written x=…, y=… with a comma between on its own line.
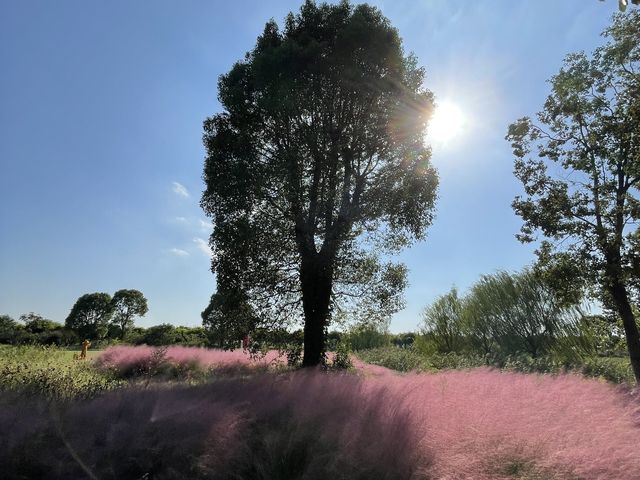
x=613, y=369
x=400, y=359
x=451, y=361
x=342, y=360
x=294, y=354
x=616, y=370
x=364, y=337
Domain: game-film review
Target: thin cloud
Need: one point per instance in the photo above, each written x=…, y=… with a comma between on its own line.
x=203, y=246
x=178, y=252
x=204, y=225
x=180, y=189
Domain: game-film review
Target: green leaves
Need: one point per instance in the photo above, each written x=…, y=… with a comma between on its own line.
x=320, y=142
x=90, y=315
x=580, y=187
x=126, y=305
x=588, y=207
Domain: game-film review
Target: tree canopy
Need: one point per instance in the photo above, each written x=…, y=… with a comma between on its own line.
x=581, y=184
x=317, y=164
x=127, y=304
x=90, y=315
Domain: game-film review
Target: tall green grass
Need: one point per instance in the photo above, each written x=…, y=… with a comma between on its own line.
x=616, y=370
x=51, y=373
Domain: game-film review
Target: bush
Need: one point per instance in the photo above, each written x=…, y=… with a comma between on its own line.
x=363, y=337
x=341, y=359
x=294, y=354
x=400, y=359
x=158, y=335
x=450, y=361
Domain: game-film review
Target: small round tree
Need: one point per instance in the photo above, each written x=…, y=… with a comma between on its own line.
x=126, y=305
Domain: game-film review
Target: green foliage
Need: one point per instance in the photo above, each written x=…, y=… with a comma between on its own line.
x=34, y=329
x=425, y=344
x=588, y=211
x=318, y=154
x=342, y=358
x=333, y=340
x=228, y=318
x=602, y=335
x=34, y=323
x=404, y=340
x=90, y=315
x=510, y=313
x=400, y=359
x=126, y=305
x=616, y=370
x=503, y=314
x=158, y=335
x=365, y=336
x=50, y=373
x=294, y=354
x=191, y=336
x=8, y=327
x=443, y=319
x=134, y=335
x=452, y=360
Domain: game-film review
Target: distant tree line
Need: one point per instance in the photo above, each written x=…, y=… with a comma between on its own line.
x=100, y=318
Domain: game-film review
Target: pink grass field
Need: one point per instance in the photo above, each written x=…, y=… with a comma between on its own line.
x=484, y=424
x=124, y=358
x=477, y=422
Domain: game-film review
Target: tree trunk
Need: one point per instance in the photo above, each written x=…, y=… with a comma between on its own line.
x=621, y=300
x=316, y=276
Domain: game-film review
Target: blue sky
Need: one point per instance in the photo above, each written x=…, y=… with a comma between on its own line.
x=101, y=110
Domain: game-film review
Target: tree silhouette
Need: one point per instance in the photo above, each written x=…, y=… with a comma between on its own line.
x=316, y=165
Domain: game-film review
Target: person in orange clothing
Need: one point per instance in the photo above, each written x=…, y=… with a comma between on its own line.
x=85, y=346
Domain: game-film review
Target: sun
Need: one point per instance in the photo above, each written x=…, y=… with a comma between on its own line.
x=446, y=124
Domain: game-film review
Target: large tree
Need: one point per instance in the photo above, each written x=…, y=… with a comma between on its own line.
x=127, y=304
x=90, y=315
x=581, y=186
x=316, y=164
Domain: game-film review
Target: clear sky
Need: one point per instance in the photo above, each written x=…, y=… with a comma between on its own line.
x=101, y=110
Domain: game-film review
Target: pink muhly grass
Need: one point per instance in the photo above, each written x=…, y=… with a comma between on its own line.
x=129, y=359
x=302, y=425
x=456, y=425
x=478, y=422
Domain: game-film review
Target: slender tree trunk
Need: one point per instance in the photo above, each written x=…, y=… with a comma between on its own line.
x=316, y=278
x=621, y=300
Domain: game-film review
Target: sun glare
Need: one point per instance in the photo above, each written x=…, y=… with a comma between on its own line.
x=446, y=124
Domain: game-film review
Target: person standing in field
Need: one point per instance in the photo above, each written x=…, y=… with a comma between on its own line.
x=85, y=346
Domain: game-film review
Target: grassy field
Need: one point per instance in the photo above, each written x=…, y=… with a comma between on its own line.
x=52, y=373
x=70, y=353
x=139, y=412
x=613, y=369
